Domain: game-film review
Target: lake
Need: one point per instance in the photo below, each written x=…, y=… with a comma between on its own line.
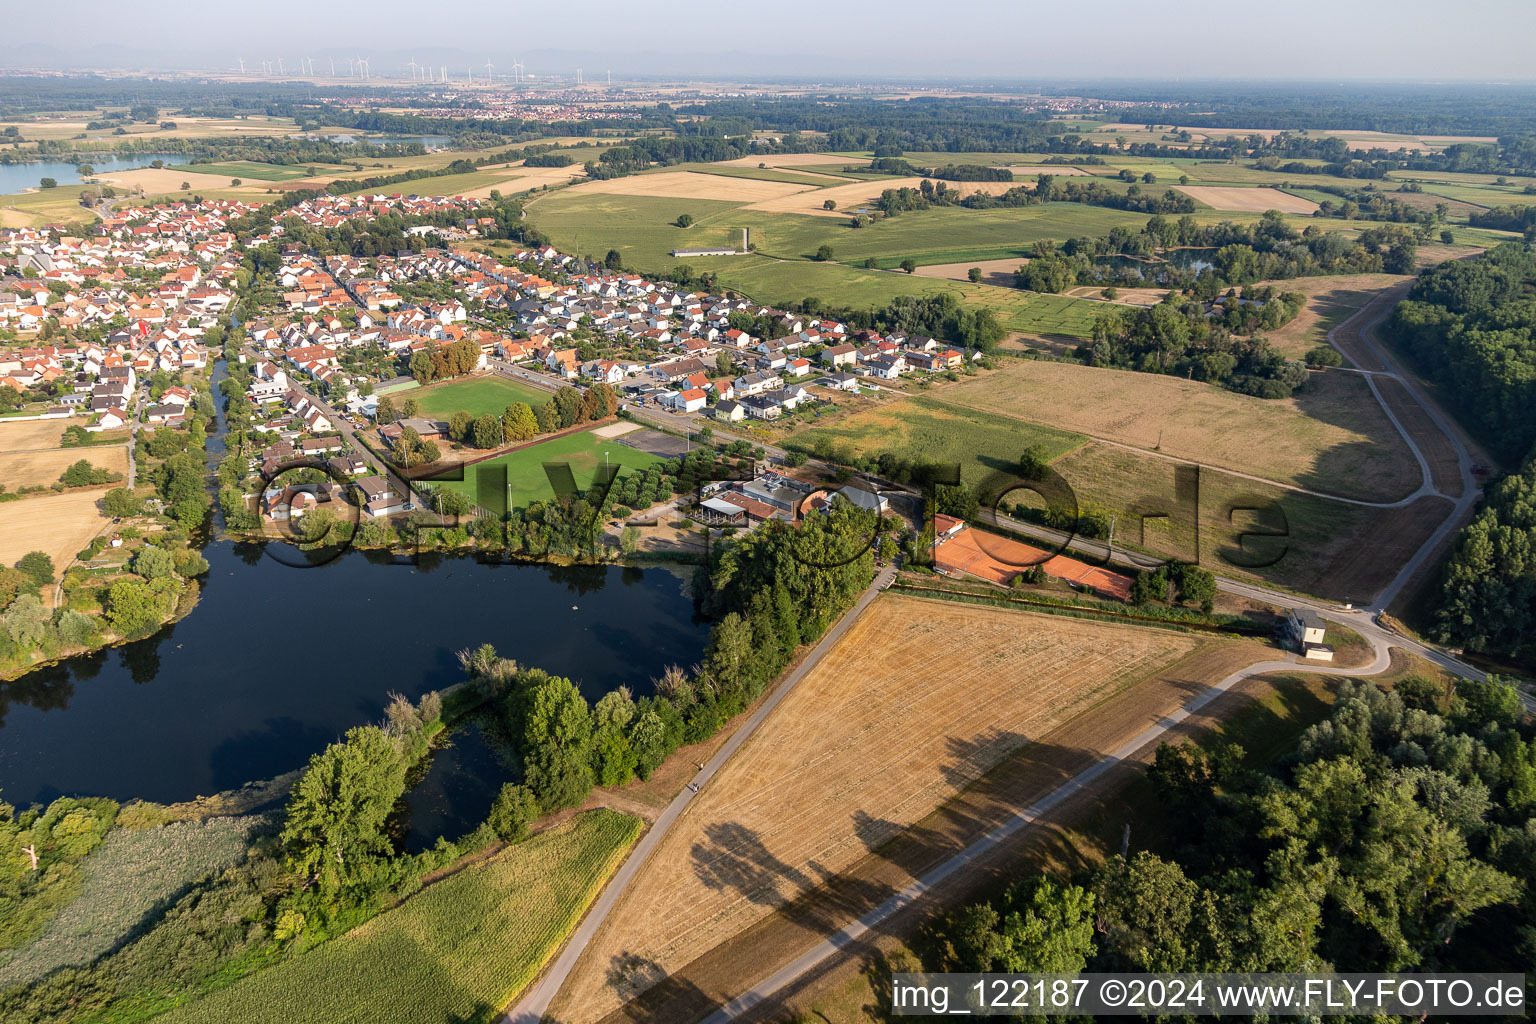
x=16, y=177
x=276, y=662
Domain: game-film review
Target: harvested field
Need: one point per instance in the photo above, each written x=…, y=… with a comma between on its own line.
x=849, y=197
x=1247, y=200
x=59, y=524
x=1331, y=436
x=154, y=181
x=919, y=700
x=1444, y=466
x=998, y=272
x=794, y=160
x=24, y=435
x=34, y=469
x=1330, y=301
x=690, y=185
x=521, y=179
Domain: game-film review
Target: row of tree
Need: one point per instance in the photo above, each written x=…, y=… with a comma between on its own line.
x=1399, y=835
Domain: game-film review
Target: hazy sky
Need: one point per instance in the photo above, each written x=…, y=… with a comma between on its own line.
x=1323, y=39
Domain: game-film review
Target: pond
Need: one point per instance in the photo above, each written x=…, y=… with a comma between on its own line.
x=1153, y=269
x=16, y=177
x=276, y=662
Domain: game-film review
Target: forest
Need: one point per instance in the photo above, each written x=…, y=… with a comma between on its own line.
x=1399, y=834
x=1470, y=325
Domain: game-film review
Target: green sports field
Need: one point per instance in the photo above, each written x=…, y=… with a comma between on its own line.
x=526, y=481
x=459, y=950
x=476, y=396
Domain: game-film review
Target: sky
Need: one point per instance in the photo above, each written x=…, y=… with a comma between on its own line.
x=1328, y=40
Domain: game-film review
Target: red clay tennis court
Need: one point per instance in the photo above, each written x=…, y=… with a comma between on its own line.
x=999, y=559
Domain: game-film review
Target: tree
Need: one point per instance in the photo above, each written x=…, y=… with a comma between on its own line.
x=235, y=182
x=614, y=260
x=487, y=432
x=518, y=422
x=49, y=183
x=409, y=408
x=1194, y=585
x=37, y=566
x=684, y=220
x=154, y=563
x=829, y=204
x=1035, y=463
x=909, y=265
x=629, y=540
x=823, y=254
x=974, y=274
x=385, y=411
x=134, y=608
x=514, y=810
x=648, y=739
x=334, y=834
x=1038, y=926
x=458, y=425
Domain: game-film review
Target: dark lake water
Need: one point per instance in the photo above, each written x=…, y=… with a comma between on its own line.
x=1129, y=267
x=15, y=177
x=276, y=662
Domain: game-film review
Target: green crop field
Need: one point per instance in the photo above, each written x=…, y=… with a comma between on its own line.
x=459, y=950
x=243, y=169
x=526, y=481
x=981, y=443
x=476, y=396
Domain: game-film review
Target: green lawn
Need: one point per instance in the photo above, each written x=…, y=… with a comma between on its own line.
x=476, y=396
x=243, y=169
x=460, y=950
x=526, y=481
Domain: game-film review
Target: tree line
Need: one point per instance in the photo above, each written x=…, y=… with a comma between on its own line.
x=1399, y=834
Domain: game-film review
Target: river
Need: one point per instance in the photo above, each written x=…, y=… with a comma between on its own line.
x=275, y=662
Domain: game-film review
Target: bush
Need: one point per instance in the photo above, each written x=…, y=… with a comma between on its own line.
x=515, y=808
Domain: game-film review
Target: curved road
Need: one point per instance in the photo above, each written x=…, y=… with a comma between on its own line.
x=1365, y=621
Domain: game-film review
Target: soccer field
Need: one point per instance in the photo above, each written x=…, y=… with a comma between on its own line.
x=476, y=396
x=525, y=480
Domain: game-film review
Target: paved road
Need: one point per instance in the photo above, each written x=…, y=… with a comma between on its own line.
x=531, y=1008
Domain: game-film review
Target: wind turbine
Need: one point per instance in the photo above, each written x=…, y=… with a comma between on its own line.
x=349, y=66
x=242, y=65
x=413, y=66
x=280, y=66
x=363, y=61
x=333, y=67
x=488, y=76
x=442, y=75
